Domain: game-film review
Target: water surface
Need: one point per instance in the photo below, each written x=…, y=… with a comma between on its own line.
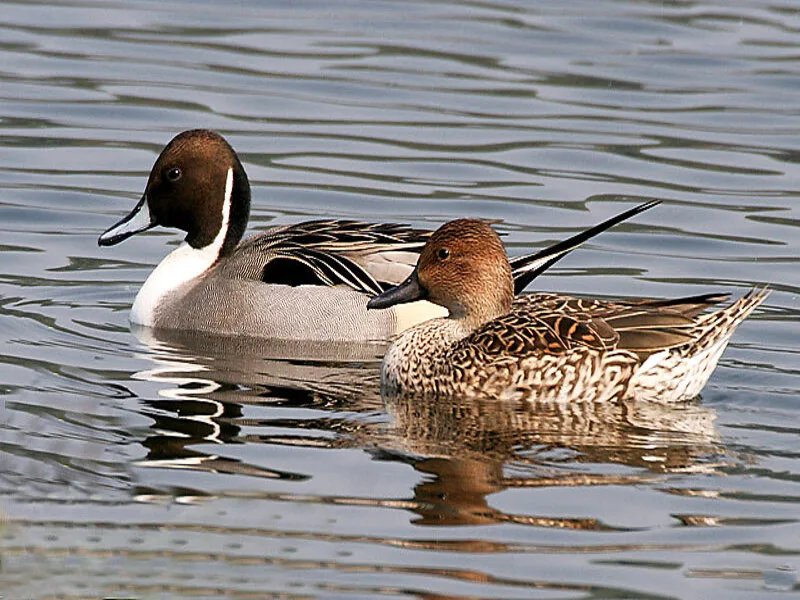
x=166, y=466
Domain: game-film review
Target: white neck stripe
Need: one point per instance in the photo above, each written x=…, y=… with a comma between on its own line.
x=180, y=266
x=226, y=214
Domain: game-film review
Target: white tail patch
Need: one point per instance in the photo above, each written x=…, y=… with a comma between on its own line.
x=180, y=266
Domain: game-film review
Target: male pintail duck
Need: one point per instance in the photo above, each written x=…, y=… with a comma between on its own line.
x=309, y=281
x=545, y=347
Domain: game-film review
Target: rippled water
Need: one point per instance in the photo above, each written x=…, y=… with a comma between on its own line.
x=165, y=467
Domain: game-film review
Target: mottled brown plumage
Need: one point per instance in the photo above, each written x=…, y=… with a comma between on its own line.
x=546, y=346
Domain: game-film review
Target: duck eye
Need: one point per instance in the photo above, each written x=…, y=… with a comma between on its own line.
x=443, y=253
x=174, y=174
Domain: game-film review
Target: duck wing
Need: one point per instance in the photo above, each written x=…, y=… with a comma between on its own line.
x=328, y=253
x=371, y=257
x=690, y=306
x=640, y=326
x=533, y=329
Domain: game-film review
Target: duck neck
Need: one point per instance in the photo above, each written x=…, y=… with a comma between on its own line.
x=239, y=208
x=218, y=234
x=469, y=321
x=481, y=310
x=188, y=262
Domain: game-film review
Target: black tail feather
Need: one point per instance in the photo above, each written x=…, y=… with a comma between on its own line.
x=529, y=267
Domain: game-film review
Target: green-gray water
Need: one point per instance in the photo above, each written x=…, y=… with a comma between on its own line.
x=135, y=466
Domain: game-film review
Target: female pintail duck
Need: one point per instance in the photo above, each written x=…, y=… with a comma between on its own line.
x=309, y=281
x=545, y=346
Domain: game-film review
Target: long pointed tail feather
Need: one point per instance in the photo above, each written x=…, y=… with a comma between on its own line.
x=529, y=267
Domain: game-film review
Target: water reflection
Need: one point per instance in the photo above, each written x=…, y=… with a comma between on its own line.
x=474, y=448
x=465, y=450
x=258, y=371
x=210, y=380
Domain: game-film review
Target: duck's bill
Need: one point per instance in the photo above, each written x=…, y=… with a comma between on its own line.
x=138, y=220
x=408, y=291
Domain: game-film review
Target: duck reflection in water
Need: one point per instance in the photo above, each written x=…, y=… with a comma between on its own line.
x=229, y=392
x=211, y=384
x=471, y=448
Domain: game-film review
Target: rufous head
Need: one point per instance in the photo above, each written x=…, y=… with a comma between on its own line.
x=463, y=267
